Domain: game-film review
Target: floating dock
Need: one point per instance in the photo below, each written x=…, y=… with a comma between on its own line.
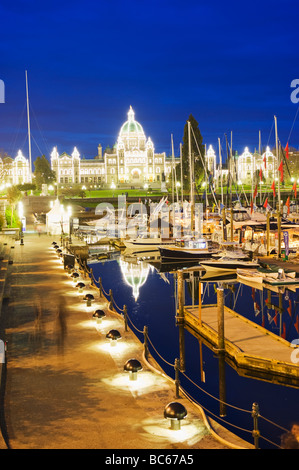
x=250, y=348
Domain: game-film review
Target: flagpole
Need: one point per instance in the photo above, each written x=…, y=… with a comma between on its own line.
x=181, y=160
x=191, y=176
x=279, y=202
x=260, y=152
x=278, y=162
x=172, y=172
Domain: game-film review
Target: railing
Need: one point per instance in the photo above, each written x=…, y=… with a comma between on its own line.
x=149, y=349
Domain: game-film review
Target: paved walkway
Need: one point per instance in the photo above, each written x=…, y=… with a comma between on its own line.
x=65, y=385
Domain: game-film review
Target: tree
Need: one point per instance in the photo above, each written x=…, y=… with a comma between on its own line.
x=43, y=173
x=13, y=196
x=197, y=154
x=26, y=187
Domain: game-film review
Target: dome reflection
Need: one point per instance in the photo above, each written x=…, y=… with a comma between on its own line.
x=135, y=274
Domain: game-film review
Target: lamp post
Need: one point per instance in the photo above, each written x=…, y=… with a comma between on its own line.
x=69, y=211
x=21, y=216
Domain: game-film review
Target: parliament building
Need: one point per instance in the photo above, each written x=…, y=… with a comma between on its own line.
x=131, y=162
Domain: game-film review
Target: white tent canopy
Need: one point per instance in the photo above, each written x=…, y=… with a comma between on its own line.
x=57, y=219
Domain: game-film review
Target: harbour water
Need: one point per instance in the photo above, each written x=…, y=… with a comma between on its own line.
x=149, y=292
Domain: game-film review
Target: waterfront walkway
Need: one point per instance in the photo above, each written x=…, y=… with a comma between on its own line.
x=65, y=387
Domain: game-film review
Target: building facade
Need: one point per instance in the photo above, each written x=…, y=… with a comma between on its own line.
x=245, y=168
x=132, y=162
x=14, y=171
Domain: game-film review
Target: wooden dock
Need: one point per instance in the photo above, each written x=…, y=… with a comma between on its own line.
x=291, y=264
x=251, y=349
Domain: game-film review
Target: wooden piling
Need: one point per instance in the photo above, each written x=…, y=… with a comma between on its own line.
x=220, y=311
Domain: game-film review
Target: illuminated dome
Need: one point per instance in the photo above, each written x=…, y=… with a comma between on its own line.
x=131, y=126
x=131, y=134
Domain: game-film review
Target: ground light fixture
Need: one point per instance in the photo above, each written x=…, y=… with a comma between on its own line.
x=132, y=366
x=75, y=276
x=114, y=336
x=69, y=268
x=80, y=286
x=176, y=412
x=89, y=298
x=98, y=315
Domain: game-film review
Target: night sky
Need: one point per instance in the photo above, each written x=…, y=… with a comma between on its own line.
x=230, y=64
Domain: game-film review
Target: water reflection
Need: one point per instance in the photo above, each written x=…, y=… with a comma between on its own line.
x=274, y=307
x=135, y=274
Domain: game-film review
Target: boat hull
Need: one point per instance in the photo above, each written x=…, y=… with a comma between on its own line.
x=228, y=265
x=185, y=254
x=146, y=246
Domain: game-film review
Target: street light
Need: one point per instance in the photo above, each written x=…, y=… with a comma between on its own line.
x=69, y=211
x=21, y=216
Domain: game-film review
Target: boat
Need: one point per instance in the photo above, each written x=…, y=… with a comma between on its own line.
x=282, y=278
x=199, y=249
x=252, y=275
x=260, y=286
x=275, y=278
x=231, y=250
x=228, y=264
x=146, y=244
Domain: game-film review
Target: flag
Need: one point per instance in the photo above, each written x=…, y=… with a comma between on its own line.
x=261, y=174
x=266, y=203
x=289, y=309
x=273, y=188
x=280, y=168
x=284, y=333
x=294, y=188
x=287, y=150
x=255, y=192
x=264, y=160
x=288, y=204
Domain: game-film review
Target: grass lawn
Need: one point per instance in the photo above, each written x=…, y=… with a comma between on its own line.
x=118, y=192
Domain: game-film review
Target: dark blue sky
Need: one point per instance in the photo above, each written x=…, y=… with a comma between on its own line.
x=230, y=64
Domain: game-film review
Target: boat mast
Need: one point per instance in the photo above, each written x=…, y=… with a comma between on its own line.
x=260, y=152
x=174, y=172
x=220, y=165
x=278, y=164
x=172, y=165
x=191, y=177
x=29, y=136
x=181, y=160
